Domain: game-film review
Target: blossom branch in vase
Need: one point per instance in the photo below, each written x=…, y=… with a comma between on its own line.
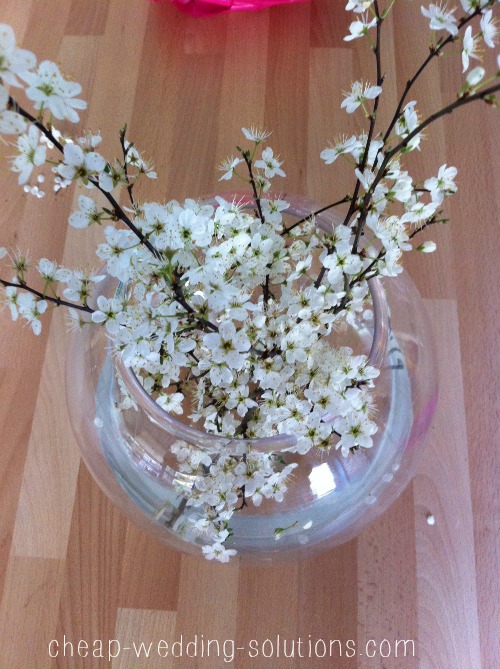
x=231, y=310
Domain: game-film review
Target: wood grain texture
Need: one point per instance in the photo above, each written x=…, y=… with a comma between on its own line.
x=446, y=583
x=147, y=625
x=70, y=565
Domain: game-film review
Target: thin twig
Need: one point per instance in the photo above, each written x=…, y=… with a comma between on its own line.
x=118, y=210
x=436, y=51
x=364, y=161
x=125, y=150
x=345, y=199
x=373, y=118
x=55, y=300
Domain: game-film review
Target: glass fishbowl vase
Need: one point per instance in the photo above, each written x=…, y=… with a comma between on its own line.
x=330, y=498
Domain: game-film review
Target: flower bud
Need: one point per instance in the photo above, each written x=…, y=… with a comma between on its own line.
x=427, y=247
x=475, y=76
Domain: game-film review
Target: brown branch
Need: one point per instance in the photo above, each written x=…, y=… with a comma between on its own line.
x=118, y=210
x=380, y=81
x=125, y=150
x=256, y=197
x=460, y=102
x=435, y=51
x=345, y=199
x=55, y=300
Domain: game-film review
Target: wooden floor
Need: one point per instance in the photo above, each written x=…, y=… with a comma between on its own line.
x=71, y=567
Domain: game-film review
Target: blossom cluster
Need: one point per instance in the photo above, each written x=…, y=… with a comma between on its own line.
x=231, y=306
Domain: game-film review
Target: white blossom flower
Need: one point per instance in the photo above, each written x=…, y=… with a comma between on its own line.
x=88, y=214
x=441, y=18
x=253, y=134
x=31, y=309
x=11, y=122
x=195, y=229
x=427, y=247
x=296, y=342
x=488, y=28
x=241, y=401
x=419, y=211
x=107, y=312
x=89, y=141
x=358, y=6
x=331, y=153
x=228, y=167
x=79, y=164
x=356, y=431
x=13, y=61
x=272, y=210
x=218, y=552
x=49, y=271
x=79, y=285
x=360, y=28
x=475, y=76
x=171, y=402
x=11, y=299
x=407, y=123
x=366, y=178
x=442, y=184
x=135, y=159
x=48, y=89
x=340, y=263
x=469, y=48
x=118, y=252
x=402, y=189
x=391, y=231
x=31, y=154
x=269, y=164
x=111, y=176
x=228, y=345
x=358, y=94
x=470, y=6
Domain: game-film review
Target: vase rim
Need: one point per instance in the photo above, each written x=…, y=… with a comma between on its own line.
x=207, y=441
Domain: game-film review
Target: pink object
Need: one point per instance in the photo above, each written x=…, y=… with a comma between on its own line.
x=211, y=7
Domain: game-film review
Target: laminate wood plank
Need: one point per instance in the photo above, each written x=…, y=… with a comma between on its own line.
x=387, y=583
x=328, y=607
x=48, y=17
x=150, y=577
x=329, y=24
x=207, y=606
x=52, y=453
x=28, y=612
x=445, y=569
x=21, y=373
x=331, y=68
x=287, y=86
x=262, y=590
x=135, y=627
x=179, y=91
x=18, y=20
x=52, y=456
x=91, y=586
x=16, y=415
x=243, y=87
x=476, y=269
x=116, y=75
x=437, y=280
x=82, y=22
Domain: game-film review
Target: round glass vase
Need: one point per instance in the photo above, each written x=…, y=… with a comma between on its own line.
x=330, y=498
